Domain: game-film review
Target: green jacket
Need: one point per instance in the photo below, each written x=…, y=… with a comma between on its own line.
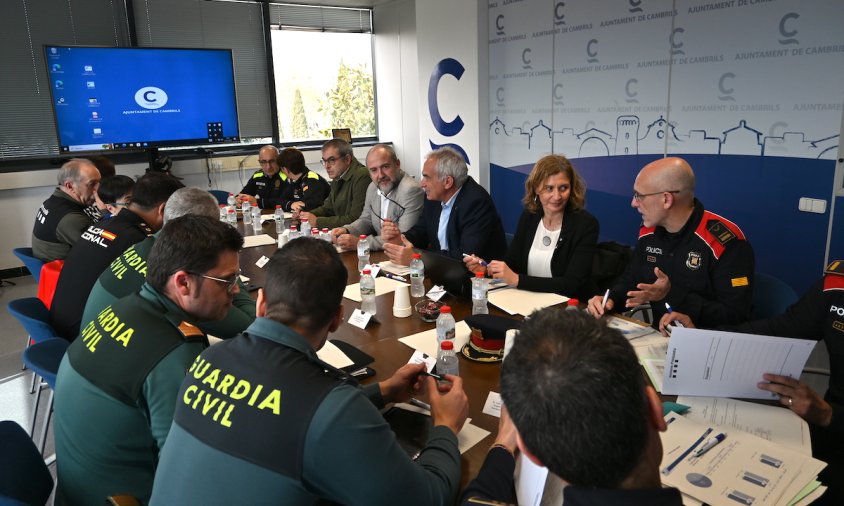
x=345, y=202
x=115, y=394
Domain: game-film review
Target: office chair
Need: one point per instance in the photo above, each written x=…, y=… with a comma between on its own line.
x=44, y=359
x=35, y=319
x=32, y=264
x=771, y=296
x=25, y=478
x=221, y=196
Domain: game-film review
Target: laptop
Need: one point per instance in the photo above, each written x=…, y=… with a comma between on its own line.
x=452, y=274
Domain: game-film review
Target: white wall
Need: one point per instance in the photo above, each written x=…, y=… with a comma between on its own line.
x=396, y=76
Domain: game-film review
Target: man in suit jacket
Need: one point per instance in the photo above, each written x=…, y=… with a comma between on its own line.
x=392, y=197
x=458, y=217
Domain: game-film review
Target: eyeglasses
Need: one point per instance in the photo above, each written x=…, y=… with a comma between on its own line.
x=267, y=162
x=330, y=160
x=399, y=209
x=638, y=197
x=228, y=283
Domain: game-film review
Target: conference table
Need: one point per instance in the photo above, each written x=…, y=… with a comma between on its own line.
x=380, y=340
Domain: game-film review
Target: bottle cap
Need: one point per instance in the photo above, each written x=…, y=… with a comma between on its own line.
x=325, y=230
x=222, y=205
x=447, y=345
x=479, y=274
x=278, y=206
x=445, y=309
x=573, y=302
x=292, y=227
x=362, y=236
x=367, y=271
x=417, y=255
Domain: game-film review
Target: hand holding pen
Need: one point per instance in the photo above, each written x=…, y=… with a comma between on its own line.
x=474, y=263
x=674, y=319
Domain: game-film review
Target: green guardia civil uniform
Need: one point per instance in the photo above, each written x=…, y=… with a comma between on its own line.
x=115, y=395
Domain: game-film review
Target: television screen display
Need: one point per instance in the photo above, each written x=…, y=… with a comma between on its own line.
x=107, y=98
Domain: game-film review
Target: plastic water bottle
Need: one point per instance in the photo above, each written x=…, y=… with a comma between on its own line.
x=305, y=228
x=325, y=235
x=363, y=252
x=293, y=233
x=417, y=276
x=315, y=233
x=231, y=200
x=367, y=292
x=246, y=211
x=572, y=305
x=445, y=325
x=256, y=218
x=279, y=220
x=224, y=215
x=231, y=214
x=479, y=288
x=447, y=360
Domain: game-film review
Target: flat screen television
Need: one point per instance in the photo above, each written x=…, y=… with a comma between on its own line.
x=116, y=98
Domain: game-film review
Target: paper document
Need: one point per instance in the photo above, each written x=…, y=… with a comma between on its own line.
x=728, y=364
x=650, y=346
x=772, y=423
x=250, y=241
x=469, y=435
x=331, y=355
x=382, y=286
x=426, y=341
x=398, y=270
x=655, y=367
x=523, y=302
x=629, y=329
x=741, y=469
x=530, y=482
x=492, y=406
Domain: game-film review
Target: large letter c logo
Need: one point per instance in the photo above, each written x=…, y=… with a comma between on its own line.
x=452, y=67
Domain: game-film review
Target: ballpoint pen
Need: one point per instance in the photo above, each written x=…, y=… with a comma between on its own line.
x=670, y=467
x=437, y=377
x=480, y=260
x=714, y=440
x=676, y=323
x=606, y=298
x=393, y=276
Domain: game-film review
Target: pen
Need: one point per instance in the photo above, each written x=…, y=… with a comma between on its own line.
x=437, y=377
x=393, y=276
x=420, y=404
x=670, y=467
x=606, y=297
x=676, y=323
x=481, y=261
x=710, y=444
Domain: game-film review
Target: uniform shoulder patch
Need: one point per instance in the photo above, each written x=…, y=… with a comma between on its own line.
x=190, y=330
x=834, y=276
x=312, y=175
x=716, y=231
x=643, y=231
x=259, y=174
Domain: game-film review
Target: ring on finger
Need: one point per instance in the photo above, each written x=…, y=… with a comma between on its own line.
x=790, y=402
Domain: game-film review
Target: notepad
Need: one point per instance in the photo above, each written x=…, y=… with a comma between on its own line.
x=523, y=302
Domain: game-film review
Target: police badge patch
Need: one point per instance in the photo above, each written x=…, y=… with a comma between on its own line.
x=693, y=262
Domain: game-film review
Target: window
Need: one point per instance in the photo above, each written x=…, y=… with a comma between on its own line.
x=322, y=60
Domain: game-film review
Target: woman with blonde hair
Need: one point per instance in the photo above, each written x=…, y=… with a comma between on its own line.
x=555, y=240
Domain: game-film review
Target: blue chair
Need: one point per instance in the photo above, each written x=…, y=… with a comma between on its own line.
x=44, y=359
x=35, y=319
x=25, y=478
x=32, y=264
x=771, y=296
x=222, y=196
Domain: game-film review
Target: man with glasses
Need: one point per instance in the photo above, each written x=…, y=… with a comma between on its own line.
x=694, y=260
x=117, y=385
x=393, y=197
x=266, y=185
x=349, y=179
x=102, y=242
x=61, y=219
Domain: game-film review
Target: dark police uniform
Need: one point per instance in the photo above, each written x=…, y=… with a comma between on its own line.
x=266, y=189
x=127, y=274
x=710, y=265
x=311, y=188
x=284, y=427
x=819, y=315
x=58, y=224
x=100, y=244
x=115, y=394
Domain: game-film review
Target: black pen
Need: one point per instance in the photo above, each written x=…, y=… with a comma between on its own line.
x=437, y=377
x=393, y=276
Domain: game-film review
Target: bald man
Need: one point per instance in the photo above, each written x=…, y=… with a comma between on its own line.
x=690, y=258
x=266, y=185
